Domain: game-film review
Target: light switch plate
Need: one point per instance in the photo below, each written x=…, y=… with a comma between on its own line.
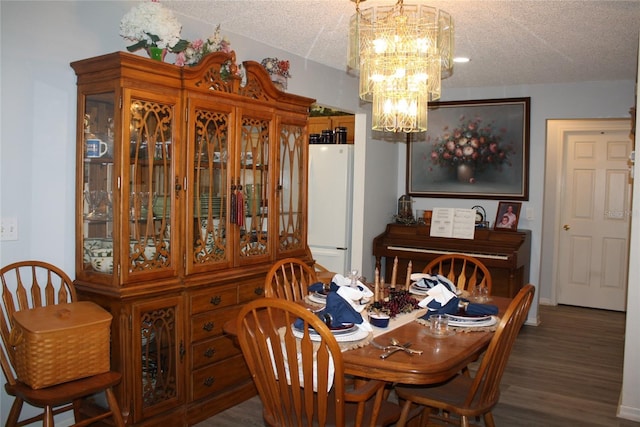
x=529, y=214
x=8, y=228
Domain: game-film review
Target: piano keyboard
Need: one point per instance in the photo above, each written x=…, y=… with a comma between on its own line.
x=435, y=251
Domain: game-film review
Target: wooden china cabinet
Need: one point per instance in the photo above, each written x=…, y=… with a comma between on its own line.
x=190, y=183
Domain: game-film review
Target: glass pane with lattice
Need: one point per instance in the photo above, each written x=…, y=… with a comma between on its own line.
x=159, y=350
x=210, y=187
x=254, y=187
x=291, y=218
x=150, y=166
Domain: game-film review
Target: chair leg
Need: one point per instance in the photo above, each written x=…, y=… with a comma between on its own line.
x=425, y=414
x=14, y=413
x=402, y=421
x=77, y=404
x=47, y=421
x=115, y=409
x=488, y=420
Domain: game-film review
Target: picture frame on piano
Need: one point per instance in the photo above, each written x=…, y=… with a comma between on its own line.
x=472, y=149
x=507, y=216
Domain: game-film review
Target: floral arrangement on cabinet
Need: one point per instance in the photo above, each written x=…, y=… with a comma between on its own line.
x=473, y=144
x=278, y=70
x=150, y=25
x=199, y=48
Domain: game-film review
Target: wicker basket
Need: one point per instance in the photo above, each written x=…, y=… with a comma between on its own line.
x=60, y=343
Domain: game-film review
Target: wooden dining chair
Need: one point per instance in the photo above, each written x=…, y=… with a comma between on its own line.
x=31, y=284
x=292, y=374
x=289, y=278
x=464, y=271
x=323, y=274
x=467, y=396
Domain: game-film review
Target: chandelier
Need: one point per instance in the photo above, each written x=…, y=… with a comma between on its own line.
x=401, y=52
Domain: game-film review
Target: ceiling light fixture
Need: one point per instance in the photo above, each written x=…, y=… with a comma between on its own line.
x=401, y=52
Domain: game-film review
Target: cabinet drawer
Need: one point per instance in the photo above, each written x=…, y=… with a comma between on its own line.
x=214, y=298
x=213, y=350
x=219, y=376
x=250, y=291
x=209, y=324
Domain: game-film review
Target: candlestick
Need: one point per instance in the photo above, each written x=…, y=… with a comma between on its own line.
x=376, y=286
x=407, y=282
x=394, y=273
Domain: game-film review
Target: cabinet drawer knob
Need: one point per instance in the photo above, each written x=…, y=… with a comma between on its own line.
x=259, y=290
x=208, y=326
x=209, y=352
x=216, y=300
x=209, y=381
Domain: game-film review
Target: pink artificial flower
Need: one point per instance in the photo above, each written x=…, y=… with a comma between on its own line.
x=450, y=145
x=493, y=147
x=180, y=59
x=197, y=44
x=434, y=155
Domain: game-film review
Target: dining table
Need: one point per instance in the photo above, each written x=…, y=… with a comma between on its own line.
x=442, y=356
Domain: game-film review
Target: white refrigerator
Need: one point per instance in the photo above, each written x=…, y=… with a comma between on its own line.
x=331, y=205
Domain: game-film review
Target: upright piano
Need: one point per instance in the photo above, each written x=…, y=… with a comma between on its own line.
x=505, y=253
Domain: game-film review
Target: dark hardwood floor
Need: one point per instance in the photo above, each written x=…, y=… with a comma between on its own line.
x=565, y=372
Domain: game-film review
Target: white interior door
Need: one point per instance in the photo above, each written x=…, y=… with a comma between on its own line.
x=593, y=240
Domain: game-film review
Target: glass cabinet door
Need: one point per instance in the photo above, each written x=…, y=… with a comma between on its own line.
x=252, y=189
x=97, y=183
x=291, y=230
x=207, y=218
x=147, y=202
x=159, y=350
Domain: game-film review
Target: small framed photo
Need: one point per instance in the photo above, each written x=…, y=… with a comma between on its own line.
x=508, y=216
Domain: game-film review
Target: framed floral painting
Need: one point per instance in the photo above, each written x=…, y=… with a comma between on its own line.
x=473, y=149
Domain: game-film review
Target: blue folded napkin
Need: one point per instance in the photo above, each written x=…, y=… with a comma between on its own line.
x=319, y=287
x=474, y=309
x=435, y=307
x=338, y=310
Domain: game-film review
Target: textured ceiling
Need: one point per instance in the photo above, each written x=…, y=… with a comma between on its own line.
x=509, y=42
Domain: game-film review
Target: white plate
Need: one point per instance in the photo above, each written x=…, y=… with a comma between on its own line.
x=470, y=319
x=357, y=335
x=348, y=328
x=489, y=322
x=317, y=299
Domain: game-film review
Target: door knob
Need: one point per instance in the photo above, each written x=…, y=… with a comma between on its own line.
x=566, y=227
